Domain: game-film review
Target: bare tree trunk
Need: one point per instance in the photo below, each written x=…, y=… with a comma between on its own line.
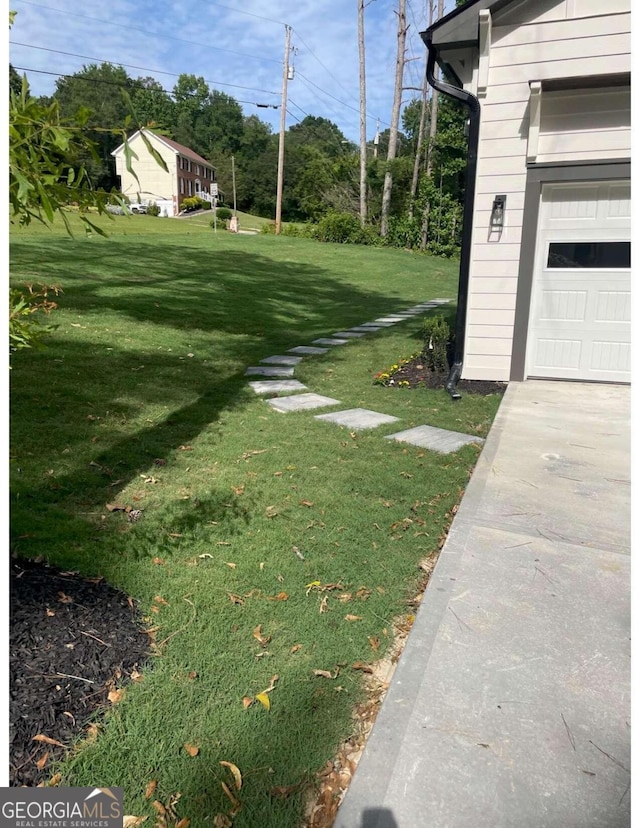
x=416, y=162
x=433, y=129
x=363, y=117
x=395, y=117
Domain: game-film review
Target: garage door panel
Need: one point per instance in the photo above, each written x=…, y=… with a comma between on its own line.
x=581, y=303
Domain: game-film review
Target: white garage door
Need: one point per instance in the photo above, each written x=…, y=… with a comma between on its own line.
x=580, y=322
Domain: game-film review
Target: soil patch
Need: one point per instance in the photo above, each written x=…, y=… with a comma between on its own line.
x=72, y=641
x=416, y=374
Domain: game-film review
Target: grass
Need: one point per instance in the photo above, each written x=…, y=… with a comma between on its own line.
x=155, y=328
x=246, y=221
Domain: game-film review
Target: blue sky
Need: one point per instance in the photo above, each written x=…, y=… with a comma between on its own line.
x=231, y=43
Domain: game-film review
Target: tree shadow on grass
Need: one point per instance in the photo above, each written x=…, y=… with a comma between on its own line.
x=72, y=403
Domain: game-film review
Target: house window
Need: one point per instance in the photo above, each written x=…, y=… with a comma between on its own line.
x=182, y=185
x=197, y=185
x=595, y=255
x=188, y=165
x=190, y=183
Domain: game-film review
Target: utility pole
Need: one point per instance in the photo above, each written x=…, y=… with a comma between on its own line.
x=283, y=120
x=395, y=117
x=433, y=129
x=376, y=139
x=363, y=117
x=416, y=161
x=233, y=178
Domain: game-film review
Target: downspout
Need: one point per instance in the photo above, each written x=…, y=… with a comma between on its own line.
x=473, y=105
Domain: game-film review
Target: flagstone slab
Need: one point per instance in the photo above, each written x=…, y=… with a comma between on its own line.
x=365, y=328
x=276, y=386
x=357, y=418
x=307, y=349
x=390, y=320
x=348, y=334
x=329, y=341
x=281, y=359
x=302, y=402
x=377, y=324
x=268, y=371
x=436, y=439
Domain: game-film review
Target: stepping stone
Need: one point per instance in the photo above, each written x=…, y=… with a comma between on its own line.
x=377, y=324
x=357, y=418
x=365, y=328
x=302, y=402
x=348, y=334
x=390, y=319
x=306, y=349
x=436, y=439
x=282, y=359
x=327, y=341
x=439, y=301
x=267, y=371
x=275, y=386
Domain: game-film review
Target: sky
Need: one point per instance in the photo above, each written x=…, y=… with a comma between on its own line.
x=236, y=46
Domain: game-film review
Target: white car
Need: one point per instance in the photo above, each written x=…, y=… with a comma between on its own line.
x=138, y=208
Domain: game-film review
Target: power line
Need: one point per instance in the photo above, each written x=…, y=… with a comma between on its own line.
x=125, y=86
x=328, y=94
x=299, y=107
x=299, y=36
x=141, y=68
x=146, y=31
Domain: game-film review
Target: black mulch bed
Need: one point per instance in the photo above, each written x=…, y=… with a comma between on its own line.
x=416, y=373
x=72, y=640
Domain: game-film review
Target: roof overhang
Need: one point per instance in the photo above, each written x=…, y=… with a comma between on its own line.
x=459, y=28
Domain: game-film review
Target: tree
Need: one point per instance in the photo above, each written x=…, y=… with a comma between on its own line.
x=152, y=106
x=15, y=81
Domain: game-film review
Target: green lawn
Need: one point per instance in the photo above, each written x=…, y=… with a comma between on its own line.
x=155, y=328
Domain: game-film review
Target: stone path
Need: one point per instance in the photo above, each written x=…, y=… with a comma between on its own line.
x=283, y=365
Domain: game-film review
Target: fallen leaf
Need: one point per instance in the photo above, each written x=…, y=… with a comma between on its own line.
x=92, y=732
x=129, y=821
x=192, y=675
x=272, y=685
x=115, y=696
x=283, y=791
x=306, y=503
x=247, y=701
x=136, y=676
x=47, y=740
x=298, y=552
x=271, y=511
x=230, y=565
x=323, y=673
x=159, y=561
x=353, y=618
x=281, y=596
x=261, y=566
x=64, y=599
x=264, y=700
x=150, y=789
x=381, y=590
x=239, y=490
x=295, y=648
x=42, y=761
x=222, y=821
x=192, y=750
x=50, y=613
x=346, y=596
x=236, y=773
x=374, y=643
x=185, y=821
x=360, y=665
x=205, y=555
x=323, y=604
x=115, y=507
x=363, y=593
x=185, y=448
x=257, y=634
x=235, y=599
x=160, y=600
x=175, y=534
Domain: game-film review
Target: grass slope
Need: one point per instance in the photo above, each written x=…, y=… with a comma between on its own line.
x=155, y=328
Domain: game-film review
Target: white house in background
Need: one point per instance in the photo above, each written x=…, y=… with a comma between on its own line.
x=549, y=288
x=188, y=174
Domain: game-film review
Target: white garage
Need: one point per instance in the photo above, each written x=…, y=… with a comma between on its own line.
x=580, y=318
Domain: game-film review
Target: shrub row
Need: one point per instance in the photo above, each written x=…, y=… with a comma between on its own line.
x=192, y=203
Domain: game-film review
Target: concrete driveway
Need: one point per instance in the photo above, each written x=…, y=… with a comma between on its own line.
x=510, y=705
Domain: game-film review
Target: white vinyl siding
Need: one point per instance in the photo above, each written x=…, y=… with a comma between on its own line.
x=536, y=42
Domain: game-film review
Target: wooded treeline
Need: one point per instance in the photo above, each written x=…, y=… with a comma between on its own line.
x=322, y=168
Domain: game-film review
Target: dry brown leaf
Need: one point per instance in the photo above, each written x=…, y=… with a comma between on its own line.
x=247, y=701
x=42, y=761
x=306, y=503
x=159, y=561
x=233, y=799
x=238, y=490
x=64, y=599
x=92, y=732
x=159, y=807
x=155, y=609
x=151, y=789
x=363, y=593
x=184, y=823
x=129, y=821
x=323, y=604
x=115, y=696
x=160, y=600
x=55, y=780
x=271, y=511
x=323, y=673
x=222, y=821
x=136, y=676
x=47, y=740
x=237, y=776
x=262, y=640
x=192, y=750
x=374, y=643
x=115, y=507
x=283, y=791
x=360, y=665
x=192, y=675
x=235, y=599
x=50, y=613
x=272, y=685
x=230, y=564
x=281, y=596
x=295, y=648
x=381, y=590
x=353, y=617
